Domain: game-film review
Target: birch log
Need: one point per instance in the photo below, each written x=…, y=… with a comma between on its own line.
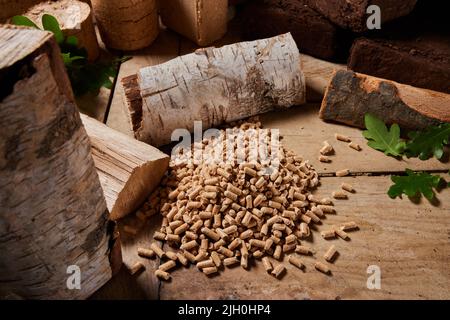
x=214, y=85
x=75, y=19
x=351, y=95
x=127, y=25
x=129, y=170
x=53, y=214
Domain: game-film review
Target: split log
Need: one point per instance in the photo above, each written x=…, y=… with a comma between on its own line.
x=129, y=170
x=214, y=85
x=202, y=21
x=53, y=214
x=351, y=95
x=127, y=25
x=75, y=19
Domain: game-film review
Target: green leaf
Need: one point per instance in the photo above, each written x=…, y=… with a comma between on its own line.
x=380, y=138
x=51, y=24
x=23, y=21
x=69, y=59
x=429, y=142
x=72, y=41
x=414, y=184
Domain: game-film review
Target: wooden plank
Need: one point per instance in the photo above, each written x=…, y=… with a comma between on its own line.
x=163, y=49
x=304, y=133
x=409, y=242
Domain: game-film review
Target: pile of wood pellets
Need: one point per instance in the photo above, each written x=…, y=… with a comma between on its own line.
x=221, y=216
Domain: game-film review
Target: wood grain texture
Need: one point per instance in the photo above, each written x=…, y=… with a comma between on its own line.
x=216, y=85
x=53, y=213
x=351, y=95
x=129, y=170
x=409, y=242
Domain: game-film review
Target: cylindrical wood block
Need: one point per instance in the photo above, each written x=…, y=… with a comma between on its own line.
x=127, y=25
x=75, y=19
x=53, y=218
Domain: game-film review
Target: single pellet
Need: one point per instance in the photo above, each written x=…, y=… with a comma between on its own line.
x=136, y=268
x=202, y=255
x=231, y=229
x=331, y=252
x=216, y=259
x=305, y=219
x=264, y=229
x=171, y=255
x=273, y=220
x=181, y=229
x=328, y=234
x=349, y=226
x=204, y=215
x=267, y=264
x=167, y=265
x=304, y=229
x=159, y=252
x=228, y=262
x=234, y=189
x=268, y=244
x=326, y=149
x=303, y=250
x=222, y=234
x=355, y=146
x=347, y=187
x=289, y=214
x=313, y=217
x=230, y=195
x=195, y=193
x=218, y=244
x=326, y=208
x=342, y=173
x=211, y=181
x=234, y=244
x=317, y=211
x=289, y=247
x=257, y=243
x=189, y=245
x=244, y=249
x=342, y=137
x=290, y=239
x=277, y=252
x=258, y=200
x=342, y=234
x=189, y=256
x=145, y=253
x=173, y=238
x=299, y=196
x=275, y=205
x=326, y=201
x=205, y=264
x=322, y=267
x=210, y=233
x=325, y=159
x=246, y=220
x=339, y=195
x=210, y=270
x=296, y=262
x=196, y=226
x=225, y=251
x=250, y=172
x=162, y=275
x=258, y=254
x=278, y=270
x=182, y=258
x=244, y=261
x=246, y=234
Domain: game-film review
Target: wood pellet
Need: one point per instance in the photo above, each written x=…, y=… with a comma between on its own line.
x=226, y=215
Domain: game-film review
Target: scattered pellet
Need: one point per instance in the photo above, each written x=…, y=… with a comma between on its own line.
x=331, y=252
x=189, y=245
x=347, y=187
x=162, y=275
x=328, y=234
x=325, y=159
x=267, y=264
x=326, y=208
x=210, y=270
x=228, y=262
x=355, y=146
x=349, y=226
x=171, y=255
x=278, y=270
x=296, y=262
x=159, y=252
x=342, y=173
x=303, y=250
x=342, y=234
x=322, y=267
x=277, y=252
x=205, y=264
x=342, y=137
x=167, y=265
x=146, y=253
x=244, y=261
x=136, y=268
x=326, y=149
x=339, y=195
x=182, y=258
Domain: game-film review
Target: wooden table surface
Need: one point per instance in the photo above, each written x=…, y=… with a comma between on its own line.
x=409, y=242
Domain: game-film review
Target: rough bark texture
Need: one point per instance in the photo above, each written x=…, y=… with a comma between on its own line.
x=202, y=21
x=127, y=25
x=128, y=169
x=214, y=85
x=351, y=95
x=75, y=19
x=53, y=213
x=351, y=14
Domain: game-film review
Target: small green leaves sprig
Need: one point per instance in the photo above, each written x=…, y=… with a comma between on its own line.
x=422, y=144
x=84, y=76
